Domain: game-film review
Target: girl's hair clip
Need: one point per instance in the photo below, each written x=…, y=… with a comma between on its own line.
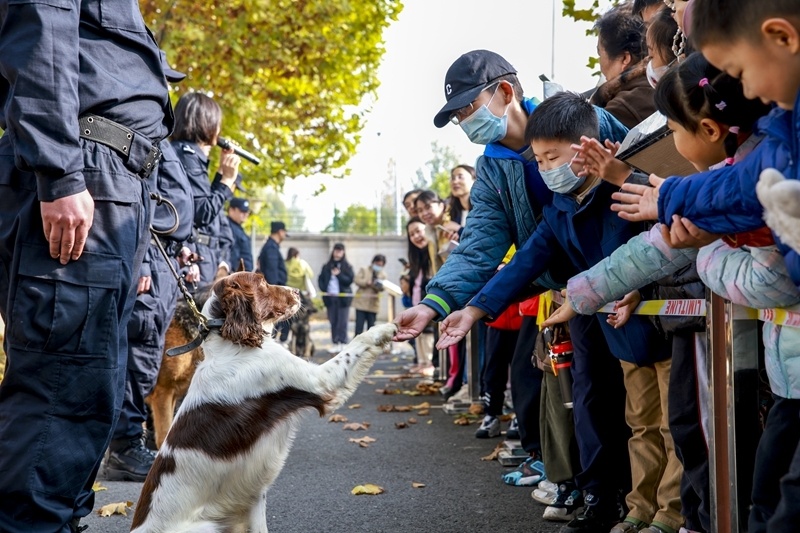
x=722, y=105
x=734, y=130
x=729, y=161
x=703, y=82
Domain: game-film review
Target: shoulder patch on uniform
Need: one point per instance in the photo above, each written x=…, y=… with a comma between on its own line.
x=188, y=149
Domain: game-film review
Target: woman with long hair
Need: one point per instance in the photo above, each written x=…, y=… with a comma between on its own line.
x=419, y=273
x=334, y=281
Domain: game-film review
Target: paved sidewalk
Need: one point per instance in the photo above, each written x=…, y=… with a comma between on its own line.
x=462, y=494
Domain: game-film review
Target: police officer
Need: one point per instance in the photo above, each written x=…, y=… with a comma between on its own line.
x=197, y=125
x=128, y=458
x=84, y=106
x=238, y=211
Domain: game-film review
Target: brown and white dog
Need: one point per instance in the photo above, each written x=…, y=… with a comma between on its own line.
x=234, y=429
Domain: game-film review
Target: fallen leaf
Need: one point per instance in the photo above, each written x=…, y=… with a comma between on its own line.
x=402, y=408
x=385, y=408
x=400, y=425
x=430, y=421
x=369, y=382
x=367, y=488
x=462, y=421
x=364, y=441
x=355, y=426
x=411, y=393
x=354, y=406
x=391, y=391
x=493, y=456
x=115, y=508
x=378, y=372
x=416, y=485
x=423, y=405
x=412, y=420
x=337, y=418
x=476, y=409
x=97, y=487
x=424, y=412
x=506, y=417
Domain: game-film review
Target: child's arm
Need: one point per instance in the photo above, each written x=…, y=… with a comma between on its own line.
x=643, y=259
x=599, y=160
x=755, y=277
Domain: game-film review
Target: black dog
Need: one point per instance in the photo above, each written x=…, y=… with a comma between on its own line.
x=301, y=343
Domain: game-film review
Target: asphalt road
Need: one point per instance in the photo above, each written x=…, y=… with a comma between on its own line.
x=461, y=492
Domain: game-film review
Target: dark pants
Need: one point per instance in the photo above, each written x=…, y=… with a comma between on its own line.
x=559, y=445
x=687, y=433
x=499, y=345
x=776, y=479
x=526, y=386
x=284, y=328
x=598, y=396
x=147, y=328
x=208, y=265
x=337, y=316
x=66, y=341
x=364, y=317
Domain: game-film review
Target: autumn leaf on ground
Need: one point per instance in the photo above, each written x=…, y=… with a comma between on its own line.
x=337, y=418
x=428, y=388
x=367, y=488
x=378, y=372
x=385, y=408
x=475, y=409
x=424, y=412
x=430, y=422
x=354, y=406
x=364, y=442
x=411, y=392
x=402, y=408
x=115, y=508
x=506, y=417
x=391, y=391
x=355, y=426
x=369, y=382
x=412, y=420
x=416, y=485
x=97, y=487
x=398, y=378
x=423, y=405
x=462, y=421
x=493, y=456
x=400, y=425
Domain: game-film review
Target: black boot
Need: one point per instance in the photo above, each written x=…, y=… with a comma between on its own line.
x=76, y=527
x=128, y=460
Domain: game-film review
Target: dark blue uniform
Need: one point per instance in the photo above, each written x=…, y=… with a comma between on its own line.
x=208, y=201
x=241, y=249
x=154, y=309
x=225, y=240
x=65, y=324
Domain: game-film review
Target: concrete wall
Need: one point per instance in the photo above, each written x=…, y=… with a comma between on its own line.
x=316, y=248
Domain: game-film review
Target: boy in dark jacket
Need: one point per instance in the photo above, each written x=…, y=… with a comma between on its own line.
x=580, y=224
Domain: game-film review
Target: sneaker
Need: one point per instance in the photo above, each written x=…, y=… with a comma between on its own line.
x=545, y=493
x=630, y=525
x=513, y=430
x=566, y=506
x=597, y=517
x=657, y=527
x=528, y=474
x=462, y=394
x=131, y=462
x=490, y=427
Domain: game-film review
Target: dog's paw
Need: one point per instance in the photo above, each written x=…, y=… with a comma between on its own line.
x=381, y=334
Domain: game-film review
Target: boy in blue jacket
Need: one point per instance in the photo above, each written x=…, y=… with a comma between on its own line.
x=758, y=42
x=579, y=224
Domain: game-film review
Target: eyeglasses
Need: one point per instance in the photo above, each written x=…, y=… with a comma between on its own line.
x=461, y=114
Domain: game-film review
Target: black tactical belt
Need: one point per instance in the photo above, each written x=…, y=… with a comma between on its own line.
x=206, y=240
x=121, y=139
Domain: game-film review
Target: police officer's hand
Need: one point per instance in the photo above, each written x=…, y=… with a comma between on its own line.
x=229, y=168
x=66, y=223
x=192, y=274
x=144, y=284
x=412, y=321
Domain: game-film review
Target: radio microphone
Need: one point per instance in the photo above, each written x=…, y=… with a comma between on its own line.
x=244, y=154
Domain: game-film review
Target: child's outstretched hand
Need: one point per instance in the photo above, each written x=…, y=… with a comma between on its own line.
x=599, y=160
x=638, y=203
x=456, y=326
x=560, y=315
x=684, y=234
x=624, y=309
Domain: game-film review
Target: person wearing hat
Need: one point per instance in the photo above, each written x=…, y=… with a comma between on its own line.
x=272, y=265
x=335, y=280
x=241, y=250
x=128, y=458
x=485, y=99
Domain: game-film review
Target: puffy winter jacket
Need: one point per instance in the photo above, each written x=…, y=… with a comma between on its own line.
x=506, y=208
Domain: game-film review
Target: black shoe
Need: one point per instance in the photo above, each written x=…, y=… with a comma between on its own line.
x=599, y=516
x=513, y=430
x=132, y=462
x=76, y=527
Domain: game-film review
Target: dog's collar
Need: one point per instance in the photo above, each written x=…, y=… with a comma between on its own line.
x=205, y=329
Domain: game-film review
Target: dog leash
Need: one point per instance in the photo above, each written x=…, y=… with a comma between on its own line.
x=204, y=324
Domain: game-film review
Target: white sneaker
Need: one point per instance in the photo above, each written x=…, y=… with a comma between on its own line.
x=490, y=427
x=545, y=493
x=462, y=394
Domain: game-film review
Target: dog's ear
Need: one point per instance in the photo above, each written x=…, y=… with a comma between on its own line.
x=240, y=311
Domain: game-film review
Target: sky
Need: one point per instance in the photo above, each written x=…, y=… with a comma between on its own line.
x=420, y=46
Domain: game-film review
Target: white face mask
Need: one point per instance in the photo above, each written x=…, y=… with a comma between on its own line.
x=654, y=73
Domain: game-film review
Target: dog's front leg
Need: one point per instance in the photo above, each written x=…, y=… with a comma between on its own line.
x=258, y=515
x=342, y=374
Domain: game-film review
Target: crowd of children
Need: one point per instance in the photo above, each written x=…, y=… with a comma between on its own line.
x=726, y=75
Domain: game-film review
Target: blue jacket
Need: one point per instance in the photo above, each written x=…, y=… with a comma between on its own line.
x=241, y=248
x=507, y=200
x=724, y=200
x=588, y=233
x=271, y=263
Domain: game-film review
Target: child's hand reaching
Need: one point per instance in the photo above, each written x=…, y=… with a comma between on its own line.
x=599, y=160
x=560, y=315
x=456, y=326
x=638, y=203
x=684, y=234
x=624, y=309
